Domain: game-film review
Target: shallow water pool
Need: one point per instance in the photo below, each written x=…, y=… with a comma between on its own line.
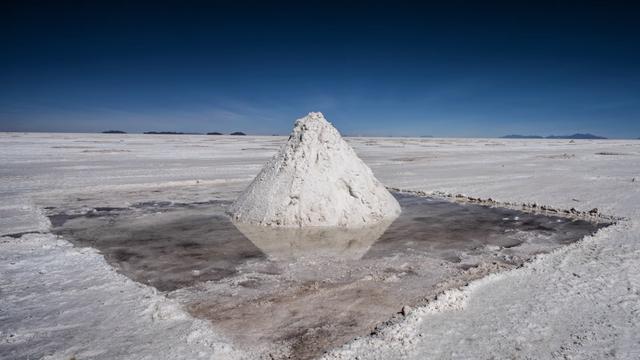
x=295, y=293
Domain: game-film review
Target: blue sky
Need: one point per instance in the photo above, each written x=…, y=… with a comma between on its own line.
x=373, y=68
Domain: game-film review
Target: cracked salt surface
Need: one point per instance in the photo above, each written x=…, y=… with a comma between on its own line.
x=297, y=293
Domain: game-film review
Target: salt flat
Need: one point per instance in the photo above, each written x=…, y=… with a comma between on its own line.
x=581, y=301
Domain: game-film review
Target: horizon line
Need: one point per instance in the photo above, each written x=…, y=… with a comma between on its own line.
x=160, y=132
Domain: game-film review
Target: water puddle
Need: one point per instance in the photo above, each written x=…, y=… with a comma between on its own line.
x=296, y=293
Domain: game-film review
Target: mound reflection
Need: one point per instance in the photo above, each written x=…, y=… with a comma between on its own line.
x=328, y=242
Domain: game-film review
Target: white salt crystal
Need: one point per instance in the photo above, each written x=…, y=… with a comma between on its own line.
x=316, y=179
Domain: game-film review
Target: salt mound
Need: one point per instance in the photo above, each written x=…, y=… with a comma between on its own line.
x=316, y=179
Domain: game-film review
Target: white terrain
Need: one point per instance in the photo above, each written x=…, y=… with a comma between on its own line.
x=60, y=301
x=316, y=179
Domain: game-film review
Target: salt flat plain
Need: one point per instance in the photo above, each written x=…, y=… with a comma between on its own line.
x=581, y=301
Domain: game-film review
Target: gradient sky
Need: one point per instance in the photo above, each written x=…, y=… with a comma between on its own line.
x=373, y=68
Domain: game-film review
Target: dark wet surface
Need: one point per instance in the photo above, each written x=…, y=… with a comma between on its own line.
x=158, y=247
x=295, y=293
x=440, y=228
x=171, y=246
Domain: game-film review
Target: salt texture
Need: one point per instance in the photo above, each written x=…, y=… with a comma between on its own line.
x=316, y=179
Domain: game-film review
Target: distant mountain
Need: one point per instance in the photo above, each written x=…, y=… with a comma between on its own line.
x=214, y=133
x=574, y=136
x=114, y=132
x=237, y=133
x=522, y=137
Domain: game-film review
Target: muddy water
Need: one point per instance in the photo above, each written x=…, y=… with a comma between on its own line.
x=297, y=293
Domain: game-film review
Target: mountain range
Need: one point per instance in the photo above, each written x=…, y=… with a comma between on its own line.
x=574, y=136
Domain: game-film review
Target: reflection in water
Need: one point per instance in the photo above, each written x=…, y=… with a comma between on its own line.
x=171, y=246
x=309, y=290
x=296, y=243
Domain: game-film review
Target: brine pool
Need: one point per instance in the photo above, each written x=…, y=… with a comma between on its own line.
x=297, y=293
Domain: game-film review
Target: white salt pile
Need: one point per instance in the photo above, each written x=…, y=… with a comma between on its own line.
x=316, y=179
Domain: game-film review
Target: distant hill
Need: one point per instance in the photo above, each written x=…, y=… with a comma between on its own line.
x=574, y=136
x=237, y=133
x=214, y=133
x=114, y=132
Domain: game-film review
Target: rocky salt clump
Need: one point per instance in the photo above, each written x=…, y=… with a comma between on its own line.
x=316, y=179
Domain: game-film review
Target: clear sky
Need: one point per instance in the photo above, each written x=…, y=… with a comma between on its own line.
x=373, y=68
